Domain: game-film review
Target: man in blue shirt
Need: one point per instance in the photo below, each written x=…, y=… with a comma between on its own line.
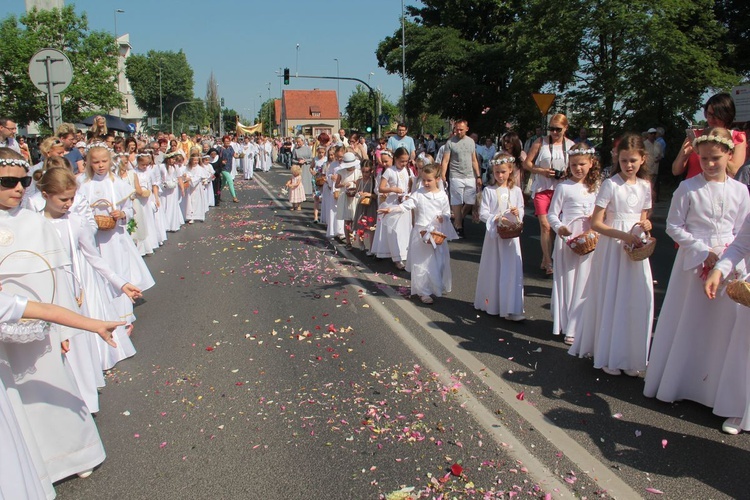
x=66, y=133
x=401, y=140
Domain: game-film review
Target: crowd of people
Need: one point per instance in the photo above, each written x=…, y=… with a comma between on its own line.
x=401, y=203
x=75, y=228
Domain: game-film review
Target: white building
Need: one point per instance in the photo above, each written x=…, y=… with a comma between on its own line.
x=130, y=112
x=44, y=4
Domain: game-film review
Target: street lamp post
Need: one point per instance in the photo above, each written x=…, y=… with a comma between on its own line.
x=118, y=11
x=270, y=125
x=403, y=62
x=338, y=86
x=180, y=104
x=161, y=101
x=296, y=65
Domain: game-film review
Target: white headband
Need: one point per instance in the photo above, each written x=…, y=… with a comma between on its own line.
x=573, y=152
x=102, y=145
x=502, y=161
x=13, y=162
x=714, y=138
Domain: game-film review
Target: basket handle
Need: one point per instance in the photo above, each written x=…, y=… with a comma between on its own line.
x=101, y=202
x=49, y=267
x=581, y=218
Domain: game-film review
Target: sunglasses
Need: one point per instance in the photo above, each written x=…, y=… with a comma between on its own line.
x=11, y=182
x=555, y=129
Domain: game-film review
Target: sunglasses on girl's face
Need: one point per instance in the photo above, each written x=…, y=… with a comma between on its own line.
x=11, y=182
x=555, y=129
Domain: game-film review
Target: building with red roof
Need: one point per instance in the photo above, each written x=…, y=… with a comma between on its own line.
x=309, y=112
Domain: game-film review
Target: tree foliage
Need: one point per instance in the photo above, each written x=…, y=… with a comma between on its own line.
x=212, y=101
x=93, y=55
x=361, y=110
x=613, y=63
x=733, y=16
x=142, y=72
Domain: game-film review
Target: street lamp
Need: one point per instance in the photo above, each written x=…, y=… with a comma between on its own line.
x=161, y=101
x=118, y=11
x=368, y=77
x=338, y=86
x=296, y=65
x=403, y=63
x=270, y=126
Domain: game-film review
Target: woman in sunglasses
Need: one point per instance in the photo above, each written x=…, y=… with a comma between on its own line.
x=33, y=259
x=547, y=160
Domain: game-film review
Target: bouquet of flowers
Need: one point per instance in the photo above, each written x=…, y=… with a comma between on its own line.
x=132, y=225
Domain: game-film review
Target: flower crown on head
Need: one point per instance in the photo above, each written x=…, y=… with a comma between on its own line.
x=714, y=138
x=573, y=152
x=102, y=145
x=13, y=162
x=502, y=161
x=143, y=155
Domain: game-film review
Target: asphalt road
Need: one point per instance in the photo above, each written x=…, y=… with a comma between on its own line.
x=273, y=364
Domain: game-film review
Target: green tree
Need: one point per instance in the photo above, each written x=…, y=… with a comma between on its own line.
x=361, y=110
x=267, y=110
x=733, y=16
x=142, y=72
x=617, y=63
x=212, y=101
x=93, y=55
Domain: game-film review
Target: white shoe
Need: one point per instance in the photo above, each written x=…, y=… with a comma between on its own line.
x=732, y=426
x=515, y=317
x=400, y=266
x=634, y=373
x=85, y=474
x=611, y=371
x=426, y=299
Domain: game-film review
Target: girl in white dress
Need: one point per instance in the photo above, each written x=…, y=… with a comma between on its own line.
x=317, y=172
x=170, y=195
x=428, y=263
x=53, y=418
x=248, y=159
x=194, y=181
x=334, y=225
x=88, y=273
x=572, y=203
x=706, y=213
x=392, y=230
x=211, y=173
x=619, y=296
x=19, y=477
x=115, y=245
x=157, y=182
x=733, y=392
x=345, y=182
x=144, y=202
x=499, y=287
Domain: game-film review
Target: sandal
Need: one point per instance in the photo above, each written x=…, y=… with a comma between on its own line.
x=548, y=269
x=426, y=299
x=568, y=340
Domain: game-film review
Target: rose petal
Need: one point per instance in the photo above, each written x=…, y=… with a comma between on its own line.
x=456, y=469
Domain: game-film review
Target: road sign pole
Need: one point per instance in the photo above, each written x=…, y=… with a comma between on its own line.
x=53, y=118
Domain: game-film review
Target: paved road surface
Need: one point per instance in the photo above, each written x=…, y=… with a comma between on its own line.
x=274, y=364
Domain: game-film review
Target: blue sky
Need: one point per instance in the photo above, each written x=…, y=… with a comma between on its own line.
x=246, y=42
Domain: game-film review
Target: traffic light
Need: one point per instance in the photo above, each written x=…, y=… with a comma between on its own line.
x=368, y=123
x=222, y=102
x=286, y=76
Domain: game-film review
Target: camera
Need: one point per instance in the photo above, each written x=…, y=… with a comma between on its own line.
x=559, y=174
